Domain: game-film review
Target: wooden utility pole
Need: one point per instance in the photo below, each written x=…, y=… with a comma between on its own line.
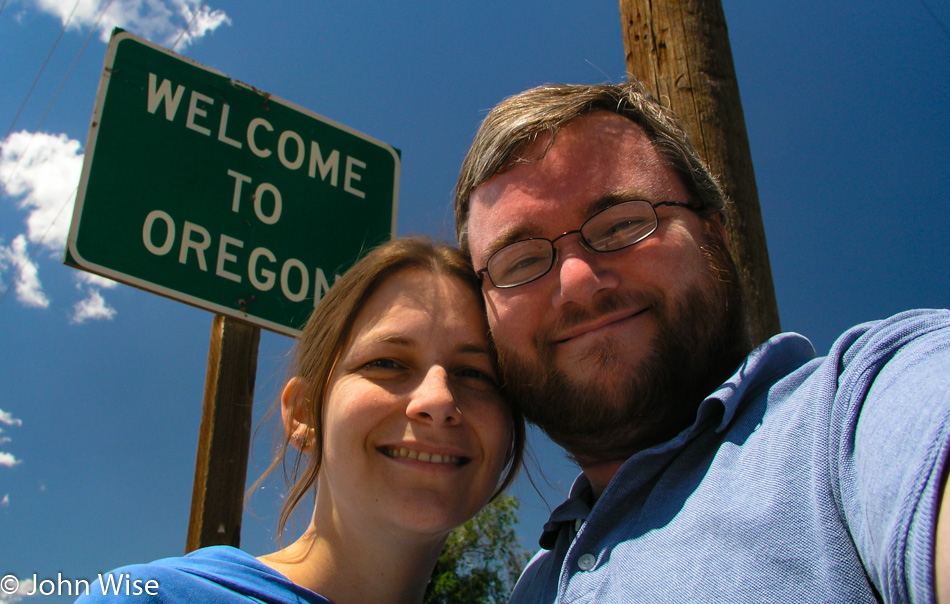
x=680, y=50
x=224, y=439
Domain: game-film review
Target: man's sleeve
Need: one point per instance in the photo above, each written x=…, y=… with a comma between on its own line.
x=890, y=435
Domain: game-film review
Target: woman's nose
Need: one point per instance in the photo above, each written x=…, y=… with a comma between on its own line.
x=433, y=401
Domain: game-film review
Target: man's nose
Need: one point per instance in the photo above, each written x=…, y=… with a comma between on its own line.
x=433, y=401
x=582, y=273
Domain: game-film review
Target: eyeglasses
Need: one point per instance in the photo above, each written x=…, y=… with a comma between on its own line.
x=609, y=230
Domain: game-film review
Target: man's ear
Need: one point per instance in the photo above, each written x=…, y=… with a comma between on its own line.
x=295, y=413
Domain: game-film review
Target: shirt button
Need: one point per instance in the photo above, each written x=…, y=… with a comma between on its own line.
x=586, y=562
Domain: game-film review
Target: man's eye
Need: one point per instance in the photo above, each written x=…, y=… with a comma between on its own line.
x=523, y=264
x=622, y=225
x=626, y=226
x=620, y=233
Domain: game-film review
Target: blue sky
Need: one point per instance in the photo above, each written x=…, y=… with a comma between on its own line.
x=846, y=105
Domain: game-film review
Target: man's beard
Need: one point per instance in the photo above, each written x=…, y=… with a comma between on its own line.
x=699, y=342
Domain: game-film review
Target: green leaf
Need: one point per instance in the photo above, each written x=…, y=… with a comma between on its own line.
x=481, y=560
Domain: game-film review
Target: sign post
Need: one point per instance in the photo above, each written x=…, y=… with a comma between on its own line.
x=224, y=439
x=208, y=191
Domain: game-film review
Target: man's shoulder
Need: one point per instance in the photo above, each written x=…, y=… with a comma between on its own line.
x=900, y=341
x=902, y=338
x=893, y=332
x=894, y=345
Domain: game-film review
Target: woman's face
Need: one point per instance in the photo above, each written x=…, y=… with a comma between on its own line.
x=416, y=433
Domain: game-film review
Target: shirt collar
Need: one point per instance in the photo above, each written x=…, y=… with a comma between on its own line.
x=777, y=357
x=576, y=507
x=769, y=362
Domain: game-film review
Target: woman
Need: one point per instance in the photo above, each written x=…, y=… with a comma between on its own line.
x=400, y=434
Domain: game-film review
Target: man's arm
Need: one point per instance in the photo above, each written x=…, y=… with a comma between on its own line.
x=896, y=505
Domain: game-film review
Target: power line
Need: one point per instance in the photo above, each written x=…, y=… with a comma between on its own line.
x=42, y=68
x=23, y=264
x=187, y=27
x=102, y=12
x=936, y=19
x=21, y=267
x=69, y=71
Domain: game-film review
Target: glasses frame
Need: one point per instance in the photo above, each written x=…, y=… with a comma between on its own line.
x=584, y=242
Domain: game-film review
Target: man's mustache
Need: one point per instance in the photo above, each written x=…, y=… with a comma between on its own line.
x=607, y=302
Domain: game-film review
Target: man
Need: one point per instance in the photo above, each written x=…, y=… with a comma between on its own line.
x=712, y=472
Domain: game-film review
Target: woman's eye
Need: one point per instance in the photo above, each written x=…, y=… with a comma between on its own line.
x=471, y=372
x=383, y=364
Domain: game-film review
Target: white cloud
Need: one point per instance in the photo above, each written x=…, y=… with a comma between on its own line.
x=8, y=460
x=97, y=280
x=29, y=290
x=25, y=589
x=5, y=501
x=161, y=21
x=94, y=307
x=203, y=23
x=43, y=171
x=7, y=418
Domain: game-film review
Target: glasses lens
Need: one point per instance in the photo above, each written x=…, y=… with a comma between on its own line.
x=520, y=262
x=619, y=226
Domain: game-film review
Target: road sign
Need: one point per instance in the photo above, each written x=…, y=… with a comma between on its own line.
x=211, y=192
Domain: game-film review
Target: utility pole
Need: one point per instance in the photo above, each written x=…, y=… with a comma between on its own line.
x=679, y=50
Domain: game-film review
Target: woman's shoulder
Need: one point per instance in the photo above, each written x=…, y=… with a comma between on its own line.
x=218, y=574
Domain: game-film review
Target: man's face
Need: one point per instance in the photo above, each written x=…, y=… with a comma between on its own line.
x=597, y=348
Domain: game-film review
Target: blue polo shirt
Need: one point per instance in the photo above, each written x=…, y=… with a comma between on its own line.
x=803, y=479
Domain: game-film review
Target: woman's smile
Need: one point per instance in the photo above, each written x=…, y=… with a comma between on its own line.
x=424, y=456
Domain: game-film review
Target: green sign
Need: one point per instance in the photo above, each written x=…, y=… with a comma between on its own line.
x=211, y=192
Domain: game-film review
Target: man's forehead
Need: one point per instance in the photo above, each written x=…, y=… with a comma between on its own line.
x=594, y=162
x=502, y=219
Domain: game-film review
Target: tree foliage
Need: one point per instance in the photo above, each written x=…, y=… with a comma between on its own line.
x=481, y=560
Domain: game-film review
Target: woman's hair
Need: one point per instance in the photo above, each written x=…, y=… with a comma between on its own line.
x=323, y=338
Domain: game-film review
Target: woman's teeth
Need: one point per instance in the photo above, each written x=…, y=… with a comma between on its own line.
x=422, y=455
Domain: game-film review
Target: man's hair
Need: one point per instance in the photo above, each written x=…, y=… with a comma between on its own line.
x=515, y=124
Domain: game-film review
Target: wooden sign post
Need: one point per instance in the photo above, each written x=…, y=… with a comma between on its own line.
x=680, y=50
x=224, y=439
